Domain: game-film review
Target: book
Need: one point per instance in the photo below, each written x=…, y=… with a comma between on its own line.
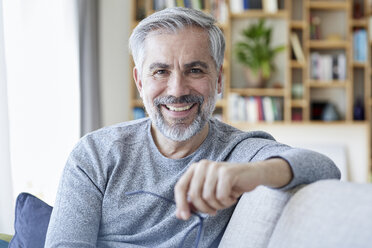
x=233, y=100
x=170, y=3
x=342, y=66
x=268, y=109
x=252, y=109
x=270, y=6
x=197, y=4
x=297, y=49
x=236, y=6
x=261, y=116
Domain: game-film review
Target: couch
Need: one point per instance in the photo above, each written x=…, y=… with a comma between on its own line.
x=328, y=213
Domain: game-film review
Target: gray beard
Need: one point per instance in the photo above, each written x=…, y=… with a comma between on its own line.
x=178, y=131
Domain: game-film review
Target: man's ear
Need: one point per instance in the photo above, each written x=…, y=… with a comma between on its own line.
x=219, y=81
x=137, y=80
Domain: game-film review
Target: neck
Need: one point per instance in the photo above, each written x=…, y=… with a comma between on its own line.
x=178, y=149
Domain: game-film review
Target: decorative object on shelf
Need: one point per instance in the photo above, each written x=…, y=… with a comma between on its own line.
x=297, y=49
x=330, y=113
x=315, y=27
x=256, y=54
x=324, y=111
x=358, y=112
x=297, y=91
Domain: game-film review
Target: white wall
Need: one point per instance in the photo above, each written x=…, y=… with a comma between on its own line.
x=114, y=25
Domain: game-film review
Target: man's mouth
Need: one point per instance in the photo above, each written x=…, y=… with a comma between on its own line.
x=179, y=109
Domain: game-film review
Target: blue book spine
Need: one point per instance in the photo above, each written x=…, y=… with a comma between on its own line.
x=246, y=4
x=355, y=45
x=363, y=45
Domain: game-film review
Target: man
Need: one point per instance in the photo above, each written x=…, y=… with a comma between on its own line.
x=119, y=183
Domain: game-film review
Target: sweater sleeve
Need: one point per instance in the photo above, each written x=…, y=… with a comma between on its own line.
x=307, y=166
x=77, y=210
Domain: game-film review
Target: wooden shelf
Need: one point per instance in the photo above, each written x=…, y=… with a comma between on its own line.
x=137, y=103
x=327, y=84
x=298, y=24
x=297, y=64
x=259, y=14
x=329, y=5
x=328, y=44
x=360, y=64
x=298, y=103
x=221, y=103
x=258, y=92
x=359, y=23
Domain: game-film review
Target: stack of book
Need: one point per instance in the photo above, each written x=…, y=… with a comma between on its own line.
x=255, y=108
x=238, y=6
x=162, y=4
x=327, y=67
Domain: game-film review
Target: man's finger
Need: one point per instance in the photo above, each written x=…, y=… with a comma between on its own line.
x=196, y=188
x=209, y=189
x=180, y=194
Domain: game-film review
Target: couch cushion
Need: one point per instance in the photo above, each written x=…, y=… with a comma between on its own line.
x=254, y=218
x=327, y=213
x=31, y=222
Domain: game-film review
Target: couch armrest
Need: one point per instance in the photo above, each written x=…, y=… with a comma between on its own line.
x=255, y=218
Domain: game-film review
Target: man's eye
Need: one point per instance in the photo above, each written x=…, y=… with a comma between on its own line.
x=160, y=72
x=195, y=70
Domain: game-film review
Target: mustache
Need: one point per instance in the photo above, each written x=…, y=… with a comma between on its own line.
x=162, y=100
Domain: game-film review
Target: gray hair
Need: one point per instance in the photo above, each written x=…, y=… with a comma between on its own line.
x=173, y=19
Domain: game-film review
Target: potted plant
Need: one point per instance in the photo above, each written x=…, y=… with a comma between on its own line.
x=256, y=54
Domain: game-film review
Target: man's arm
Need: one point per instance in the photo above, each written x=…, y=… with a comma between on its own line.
x=77, y=210
x=209, y=186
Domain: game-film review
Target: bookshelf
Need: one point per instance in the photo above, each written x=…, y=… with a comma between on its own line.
x=298, y=88
x=330, y=34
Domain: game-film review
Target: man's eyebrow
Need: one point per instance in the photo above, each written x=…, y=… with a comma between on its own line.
x=158, y=65
x=197, y=63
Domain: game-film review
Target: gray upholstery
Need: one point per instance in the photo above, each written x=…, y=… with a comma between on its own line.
x=327, y=213
x=254, y=218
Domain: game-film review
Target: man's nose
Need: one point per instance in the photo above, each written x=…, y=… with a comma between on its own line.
x=177, y=85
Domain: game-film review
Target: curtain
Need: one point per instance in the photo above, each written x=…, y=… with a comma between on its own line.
x=6, y=193
x=90, y=118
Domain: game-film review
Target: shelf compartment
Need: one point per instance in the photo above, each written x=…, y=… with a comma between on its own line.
x=259, y=14
x=258, y=92
x=328, y=44
x=327, y=5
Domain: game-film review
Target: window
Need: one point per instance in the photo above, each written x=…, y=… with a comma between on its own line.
x=42, y=61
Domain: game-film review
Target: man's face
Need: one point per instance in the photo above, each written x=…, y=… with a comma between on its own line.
x=179, y=82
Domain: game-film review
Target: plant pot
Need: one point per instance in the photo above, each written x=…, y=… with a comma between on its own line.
x=254, y=80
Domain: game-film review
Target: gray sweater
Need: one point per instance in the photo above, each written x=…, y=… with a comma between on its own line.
x=93, y=210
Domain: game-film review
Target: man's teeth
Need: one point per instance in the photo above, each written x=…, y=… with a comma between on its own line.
x=179, y=108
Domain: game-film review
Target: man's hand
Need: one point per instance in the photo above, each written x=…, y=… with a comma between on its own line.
x=209, y=186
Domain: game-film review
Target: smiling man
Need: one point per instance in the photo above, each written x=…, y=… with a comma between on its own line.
x=173, y=179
